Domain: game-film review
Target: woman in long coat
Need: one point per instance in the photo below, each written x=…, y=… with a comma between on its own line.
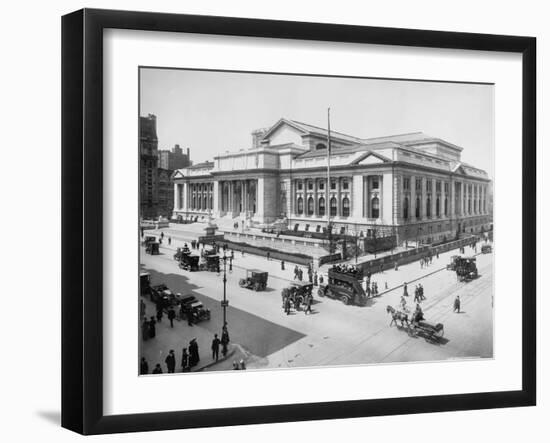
x=145, y=330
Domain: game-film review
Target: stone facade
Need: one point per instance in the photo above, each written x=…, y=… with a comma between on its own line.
x=413, y=186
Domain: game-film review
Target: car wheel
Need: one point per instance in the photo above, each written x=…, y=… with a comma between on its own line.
x=345, y=300
x=321, y=293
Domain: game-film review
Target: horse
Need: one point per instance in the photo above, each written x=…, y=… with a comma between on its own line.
x=398, y=316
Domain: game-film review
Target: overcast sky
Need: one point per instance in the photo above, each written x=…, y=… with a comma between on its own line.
x=213, y=112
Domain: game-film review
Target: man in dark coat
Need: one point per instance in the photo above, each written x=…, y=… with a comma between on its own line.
x=456, y=305
x=143, y=367
x=287, y=305
x=193, y=353
x=282, y=265
x=145, y=329
x=159, y=315
x=215, y=347
x=184, y=360
x=152, y=329
x=171, y=316
x=225, y=340
x=170, y=361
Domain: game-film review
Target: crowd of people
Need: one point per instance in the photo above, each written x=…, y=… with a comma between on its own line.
x=189, y=356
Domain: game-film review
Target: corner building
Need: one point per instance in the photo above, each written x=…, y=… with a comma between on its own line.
x=413, y=185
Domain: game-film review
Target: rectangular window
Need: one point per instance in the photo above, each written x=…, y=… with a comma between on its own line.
x=310, y=186
x=345, y=185
x=406, y=184
x=300, y=185
x=446, y=188
x=332, y=185
x=438, y=186
x=375, y=183
x=418, y=184
x=322, y=186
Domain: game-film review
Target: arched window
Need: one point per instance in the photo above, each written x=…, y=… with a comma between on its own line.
x=320, y=146
x=446, y=207
x=406, y=208
x=428, y=207
x=437, y=209
x=310, y=206
x=300, y=205
x=417, y=211
x=322, y=206
x=375, y=207
x=345, y=207
x=333, y=206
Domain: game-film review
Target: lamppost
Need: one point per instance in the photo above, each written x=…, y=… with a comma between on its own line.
x=225, y=302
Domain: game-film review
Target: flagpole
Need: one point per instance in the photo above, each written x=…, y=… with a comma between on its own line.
x=327, y=205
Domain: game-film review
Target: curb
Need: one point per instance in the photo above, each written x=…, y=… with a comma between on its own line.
x=228, y=355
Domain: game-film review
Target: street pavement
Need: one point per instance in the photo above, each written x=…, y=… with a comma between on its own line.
x=335, y=334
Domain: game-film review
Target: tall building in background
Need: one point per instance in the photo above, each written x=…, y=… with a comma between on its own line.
x=156, y=168
x=174, y=159
x=148, y=165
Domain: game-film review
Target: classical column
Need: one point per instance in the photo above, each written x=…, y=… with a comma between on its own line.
x=434, y=199
x=423, y=213
x=412, y=203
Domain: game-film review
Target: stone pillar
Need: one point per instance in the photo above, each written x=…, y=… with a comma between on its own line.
x=357, y=197
x=434, y=199
x=423, y=214
x=412, y=205
x=216, y=200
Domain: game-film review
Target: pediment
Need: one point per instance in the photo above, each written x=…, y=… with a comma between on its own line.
x=370, y=158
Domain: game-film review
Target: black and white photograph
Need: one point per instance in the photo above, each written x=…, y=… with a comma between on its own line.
x=298, y=221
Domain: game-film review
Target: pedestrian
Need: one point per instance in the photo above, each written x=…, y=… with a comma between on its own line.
x=152, y=329
x=310, y=276
x=162, y=235
x=421, y=263
x=315, y=279
x=225, y=339
x=193, y=353
x=267, y=255
x=395, y=266
x=381, y=268
x=145, y=330
x=287, y=305
x=159, y=315
x=321, y=279
x=184, y=360
x=141, y=309
x=242, y=252
x=182, y=311
x=232, y=254
x=169, y=241
x=158, y=369
x=405, y=293
x=456, y=305
x=385, y=285
x=437, y=254
x=416, y=294
x=189, y=319
x=215, y=347
x=282, y=265
x=308, y=302
x=170, y=361
x=300, y=274
x=143, y=367
x=171, y=316
x=142, y=233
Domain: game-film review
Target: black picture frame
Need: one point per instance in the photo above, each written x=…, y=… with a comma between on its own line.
x=82, y=190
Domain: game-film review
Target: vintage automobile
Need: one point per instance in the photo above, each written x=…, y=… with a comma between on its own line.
x=189, y=262
x=486, y=249
x=452, y=265
x=210, y=262
x=181, y=252
x=144, y=283
x=163, y=297
x=193, y=309
x=152, y=248
x=466, y=268
x=345, y=287
x=255, y=279
x=148, y=239
x=297, y=292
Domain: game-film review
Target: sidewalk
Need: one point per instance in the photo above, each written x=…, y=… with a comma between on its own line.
x=156, y=349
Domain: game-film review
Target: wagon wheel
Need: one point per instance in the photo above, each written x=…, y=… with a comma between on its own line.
x=300, y=299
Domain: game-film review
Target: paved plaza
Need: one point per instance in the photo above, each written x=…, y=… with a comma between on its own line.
x=334, y=334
